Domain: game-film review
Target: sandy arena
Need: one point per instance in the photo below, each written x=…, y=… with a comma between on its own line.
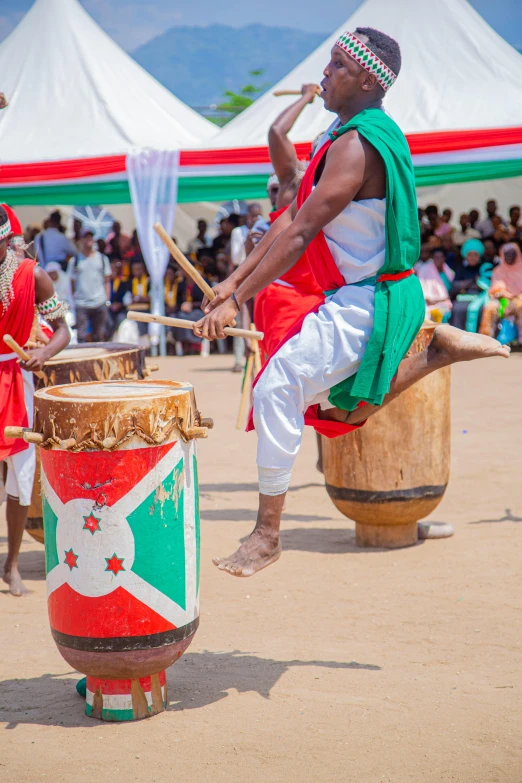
x=335, y=664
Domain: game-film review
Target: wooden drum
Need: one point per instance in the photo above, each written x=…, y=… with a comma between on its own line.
x=394, y=471
x=85, y=362
x=121, y=519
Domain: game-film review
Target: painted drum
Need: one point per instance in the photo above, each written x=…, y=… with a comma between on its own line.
x=394, y=471
x=82, y=363
x=121, y=521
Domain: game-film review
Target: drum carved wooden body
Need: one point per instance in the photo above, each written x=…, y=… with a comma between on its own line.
x=121, y=519
x=394, y=471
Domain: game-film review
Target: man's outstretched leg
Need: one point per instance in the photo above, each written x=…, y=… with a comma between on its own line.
x=448, y=346
x=263, y=546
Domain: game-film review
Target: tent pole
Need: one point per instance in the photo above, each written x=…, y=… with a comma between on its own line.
x=157, y=333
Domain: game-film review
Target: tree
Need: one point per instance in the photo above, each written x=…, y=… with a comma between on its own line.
x=239, y=101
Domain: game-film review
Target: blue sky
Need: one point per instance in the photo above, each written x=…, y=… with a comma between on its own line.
x=132, y=22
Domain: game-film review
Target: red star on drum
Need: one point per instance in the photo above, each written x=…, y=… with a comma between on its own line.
x=70, y=559
x=115, y=564
x=92, y=524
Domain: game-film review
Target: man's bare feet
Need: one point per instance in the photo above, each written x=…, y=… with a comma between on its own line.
x=261, y=549
x=14, y=580
x=458, y=346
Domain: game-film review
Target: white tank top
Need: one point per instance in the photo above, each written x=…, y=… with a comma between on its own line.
x=357, y=239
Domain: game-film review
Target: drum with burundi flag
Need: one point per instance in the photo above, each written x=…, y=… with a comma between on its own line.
x=121, y=520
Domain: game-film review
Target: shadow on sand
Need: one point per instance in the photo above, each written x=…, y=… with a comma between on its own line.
x=195, y=681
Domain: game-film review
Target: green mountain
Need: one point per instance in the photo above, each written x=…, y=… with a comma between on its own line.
x=198, y=63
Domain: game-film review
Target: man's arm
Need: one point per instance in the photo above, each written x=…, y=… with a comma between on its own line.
x=282, y=151
x=44, y=290
x=343, y=176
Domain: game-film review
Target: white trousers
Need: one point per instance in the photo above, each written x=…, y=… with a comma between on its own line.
x=21, y=466
x=328, y=349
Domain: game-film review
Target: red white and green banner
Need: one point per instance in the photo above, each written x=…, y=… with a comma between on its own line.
x=439, y=158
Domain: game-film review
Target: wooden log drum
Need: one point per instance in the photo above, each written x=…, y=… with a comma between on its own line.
x=121, y=520
x=85, y=362
x=394, y=471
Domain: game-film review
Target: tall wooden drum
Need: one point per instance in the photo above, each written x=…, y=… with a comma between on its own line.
x=394, y=471
x=85, y=362
x=121, y=520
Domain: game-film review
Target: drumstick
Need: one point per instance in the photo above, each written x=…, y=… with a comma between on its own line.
x=148, y=318
x=246, y=390
x=184, y=262
x=23, y=432
x=13, y=345
x=281, y=93
x=257, y=353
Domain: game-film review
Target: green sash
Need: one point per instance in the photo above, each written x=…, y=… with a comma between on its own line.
x=399, y=305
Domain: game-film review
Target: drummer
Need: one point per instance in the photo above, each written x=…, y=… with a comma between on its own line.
x=22, y=287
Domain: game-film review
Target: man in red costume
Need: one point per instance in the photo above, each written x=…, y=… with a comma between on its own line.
x=22, y=287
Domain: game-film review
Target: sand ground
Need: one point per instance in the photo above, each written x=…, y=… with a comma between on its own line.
x=335, y=664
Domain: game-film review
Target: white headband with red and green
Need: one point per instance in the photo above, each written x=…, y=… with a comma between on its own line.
x=5, y=230
x=353, y=46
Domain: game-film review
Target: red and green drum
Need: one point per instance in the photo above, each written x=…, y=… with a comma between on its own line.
x=121, y=520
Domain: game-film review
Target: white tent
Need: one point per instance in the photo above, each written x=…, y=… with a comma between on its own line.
x=74, y=93
x=457, y=75
x=86, y=124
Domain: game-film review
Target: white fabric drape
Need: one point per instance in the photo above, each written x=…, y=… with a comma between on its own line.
x=153, y=184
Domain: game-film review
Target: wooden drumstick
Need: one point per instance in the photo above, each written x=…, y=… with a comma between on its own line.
x=184, y=262
x=257, y=353
x=13, y=345
x=247, y=383
x=281, y=93
x=148, y=318
x=23, y=432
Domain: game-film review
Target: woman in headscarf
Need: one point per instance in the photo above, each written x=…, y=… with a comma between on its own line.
x=505, y=292
x=470, y=287
x=436, y=278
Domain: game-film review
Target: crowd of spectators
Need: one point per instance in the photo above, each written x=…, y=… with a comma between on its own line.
x=471, y=272
x=103, y=279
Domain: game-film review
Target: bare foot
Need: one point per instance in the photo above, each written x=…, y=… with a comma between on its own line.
x=261, y=549
x=14, y=580
x=460, y=346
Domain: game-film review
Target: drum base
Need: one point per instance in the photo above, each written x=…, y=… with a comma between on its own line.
x=386, y=536
x=121, y=700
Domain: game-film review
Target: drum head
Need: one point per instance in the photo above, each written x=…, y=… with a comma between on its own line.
x=106, y=391
x=89, y=351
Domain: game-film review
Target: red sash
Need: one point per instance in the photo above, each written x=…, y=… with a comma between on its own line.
x=17, y=322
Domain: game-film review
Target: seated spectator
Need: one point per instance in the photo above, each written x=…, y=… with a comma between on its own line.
x=490, y=252
x=486, y=226
x=121, y=296
x=52, y=244
x=448, y=245
x=515, y=226
x=140, y=292
x=118, y=243
x=139, y=286
x=474, y=216
x=173, y=279
x=436, y=278
x=447, y=215
x=201, y=240
x=505, y=292
x=500, y=231
x=190, y=298
x=469, y=291
x=465, y=231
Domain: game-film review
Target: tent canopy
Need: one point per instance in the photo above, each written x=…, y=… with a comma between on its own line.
x=457, y=74
x=74, y=93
